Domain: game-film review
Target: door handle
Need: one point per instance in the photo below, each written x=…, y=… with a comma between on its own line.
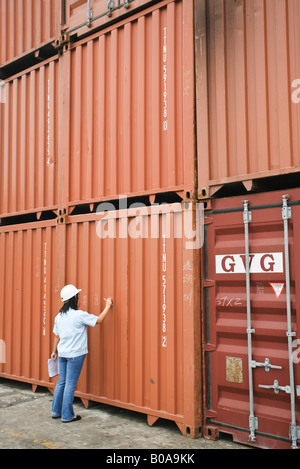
x=276, y=387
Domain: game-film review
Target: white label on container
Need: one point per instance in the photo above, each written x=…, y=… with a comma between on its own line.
x=261, y=263
x=278, y=288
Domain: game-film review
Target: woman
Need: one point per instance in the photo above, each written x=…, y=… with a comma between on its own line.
x=70, y=346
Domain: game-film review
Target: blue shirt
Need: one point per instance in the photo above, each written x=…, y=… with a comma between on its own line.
x=71, y=327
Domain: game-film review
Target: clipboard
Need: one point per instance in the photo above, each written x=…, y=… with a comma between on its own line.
x=53, y=367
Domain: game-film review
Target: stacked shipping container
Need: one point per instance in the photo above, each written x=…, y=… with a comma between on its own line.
x=102, y=120
x=26, y=26
x=247, y=63
x=156, y=101
x=248, y=130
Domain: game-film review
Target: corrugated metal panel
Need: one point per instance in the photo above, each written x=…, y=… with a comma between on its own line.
x=143, y=356
x=28, y=292
x=25, y=25
x=131, y=107
x=228, y=395
x=249, y=126
x=29, y=141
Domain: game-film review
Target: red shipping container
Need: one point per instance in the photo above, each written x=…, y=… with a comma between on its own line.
x=251, y=320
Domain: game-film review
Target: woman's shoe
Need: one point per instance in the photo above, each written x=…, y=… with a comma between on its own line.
x=77, y=417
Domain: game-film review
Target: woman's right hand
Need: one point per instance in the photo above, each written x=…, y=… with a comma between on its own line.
x=54, y=355
x=109, y=302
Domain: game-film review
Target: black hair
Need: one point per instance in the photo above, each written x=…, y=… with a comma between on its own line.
x=71, y=303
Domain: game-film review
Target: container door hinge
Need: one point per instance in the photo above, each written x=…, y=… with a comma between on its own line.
x=286, y=210
x=253, y=425
x=208, y=221
x=208, y=283
x=294, y=435
x=210, y=348
x=266, y=364
x=247, y=215
x=276, y=387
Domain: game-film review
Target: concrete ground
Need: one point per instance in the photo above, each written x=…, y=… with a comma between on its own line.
x=26, y=423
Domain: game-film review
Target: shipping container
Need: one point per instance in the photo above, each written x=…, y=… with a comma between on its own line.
x=146, y=355
x=28, y=298
x=26, y=26
x=29, y=135
x=248, y=71
x=251, y=319
x=131, y=127
x=138, y=94
x=112, y=115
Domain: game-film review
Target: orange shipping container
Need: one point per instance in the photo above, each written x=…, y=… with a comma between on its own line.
x=28, y=297
x=26, y=25
x=131, y=103
x=248, y=71
x=114, y=114
x=29, y=124
x=146, y=355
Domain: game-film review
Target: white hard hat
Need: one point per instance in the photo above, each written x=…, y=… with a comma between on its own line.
x=68, y=292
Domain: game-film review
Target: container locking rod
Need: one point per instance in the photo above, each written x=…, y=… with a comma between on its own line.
x=253, y=422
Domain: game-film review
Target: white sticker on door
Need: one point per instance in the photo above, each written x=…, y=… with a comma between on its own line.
x=260, y=263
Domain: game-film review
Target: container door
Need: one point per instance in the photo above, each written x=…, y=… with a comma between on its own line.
x=252, y=314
